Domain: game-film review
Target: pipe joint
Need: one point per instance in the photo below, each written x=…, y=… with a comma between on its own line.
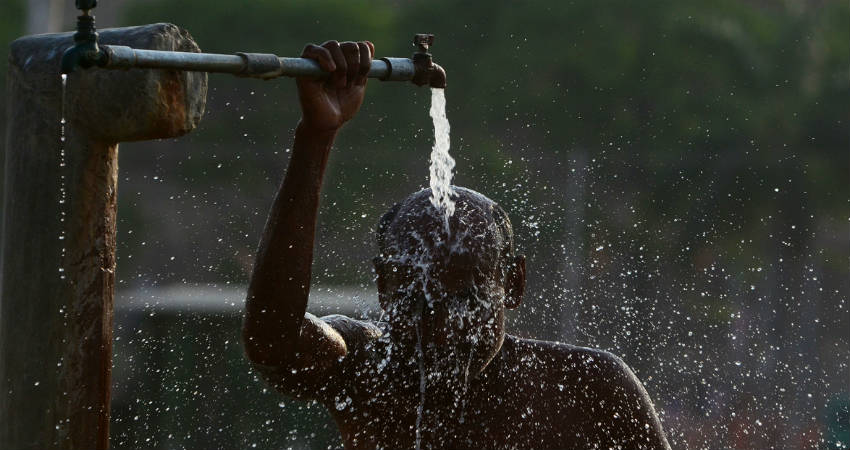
x=398, y=69
x=260, y=65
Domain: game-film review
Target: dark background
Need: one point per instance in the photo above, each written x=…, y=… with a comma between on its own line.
x=676, y=173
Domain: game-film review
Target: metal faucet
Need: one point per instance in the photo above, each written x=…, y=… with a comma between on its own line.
x=427, y=72
x=86, y=53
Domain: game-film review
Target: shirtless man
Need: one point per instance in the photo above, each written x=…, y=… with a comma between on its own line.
x=439, y=372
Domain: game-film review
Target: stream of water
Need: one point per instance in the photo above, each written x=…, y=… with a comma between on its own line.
x=442, y=164
x=420, y=355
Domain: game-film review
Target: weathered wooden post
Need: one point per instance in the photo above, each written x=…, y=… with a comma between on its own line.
x=56, y=334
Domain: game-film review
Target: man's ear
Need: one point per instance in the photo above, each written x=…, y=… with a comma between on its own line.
x=515, y=282
x=378, y=263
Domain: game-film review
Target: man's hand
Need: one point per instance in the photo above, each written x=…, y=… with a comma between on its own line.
x=327, y=104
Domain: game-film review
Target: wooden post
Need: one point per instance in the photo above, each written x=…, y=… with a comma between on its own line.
x=56, y=334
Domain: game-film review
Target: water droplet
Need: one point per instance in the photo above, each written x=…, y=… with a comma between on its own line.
x=343, y=404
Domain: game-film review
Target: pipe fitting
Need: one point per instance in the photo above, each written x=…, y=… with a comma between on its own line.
x=260, y=65
x=398, y=69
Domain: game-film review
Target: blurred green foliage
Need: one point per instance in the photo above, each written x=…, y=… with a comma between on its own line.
x=11, y=26
x=675, y=170
x=682, y=109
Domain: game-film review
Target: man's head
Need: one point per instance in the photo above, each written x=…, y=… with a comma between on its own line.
x=449, y=285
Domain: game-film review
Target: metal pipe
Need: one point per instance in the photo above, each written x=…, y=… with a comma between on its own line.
x=86, y=53
x=255, y=65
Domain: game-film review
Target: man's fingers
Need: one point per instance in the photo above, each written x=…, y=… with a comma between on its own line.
x=320, y=55
x=352, y=59
x=348, y=62
x=339, y=74
x=365, y=63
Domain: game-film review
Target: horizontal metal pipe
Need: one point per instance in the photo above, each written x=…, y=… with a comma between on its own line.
x=255, y=65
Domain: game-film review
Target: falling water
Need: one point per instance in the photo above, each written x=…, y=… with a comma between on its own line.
x=441, y=168
x=442, y=163
x=420, y=355
x=62, y=189
x=465, y=385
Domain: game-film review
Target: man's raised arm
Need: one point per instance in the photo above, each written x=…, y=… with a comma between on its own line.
x=276, y=332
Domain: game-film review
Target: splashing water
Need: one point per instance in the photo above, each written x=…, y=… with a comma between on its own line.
x=465, y=385
x=62, y=188
x=442, y=163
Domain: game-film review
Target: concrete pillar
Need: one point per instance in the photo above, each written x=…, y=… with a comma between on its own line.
x=56, y=334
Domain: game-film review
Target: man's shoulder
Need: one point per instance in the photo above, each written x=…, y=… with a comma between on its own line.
x=569, y=360
x=586, y=378
x=559, y=351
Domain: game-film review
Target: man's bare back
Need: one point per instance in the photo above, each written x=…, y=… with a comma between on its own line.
x=440, y=372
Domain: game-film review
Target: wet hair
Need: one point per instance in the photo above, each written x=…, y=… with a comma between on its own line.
x=414, y=225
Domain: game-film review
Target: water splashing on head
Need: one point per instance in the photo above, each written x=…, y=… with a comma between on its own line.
x=446, y=291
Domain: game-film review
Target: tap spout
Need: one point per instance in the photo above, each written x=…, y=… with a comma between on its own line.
x=437, y=77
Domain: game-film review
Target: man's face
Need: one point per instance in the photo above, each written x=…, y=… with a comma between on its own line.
x=452, y=310
x=443, y=282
